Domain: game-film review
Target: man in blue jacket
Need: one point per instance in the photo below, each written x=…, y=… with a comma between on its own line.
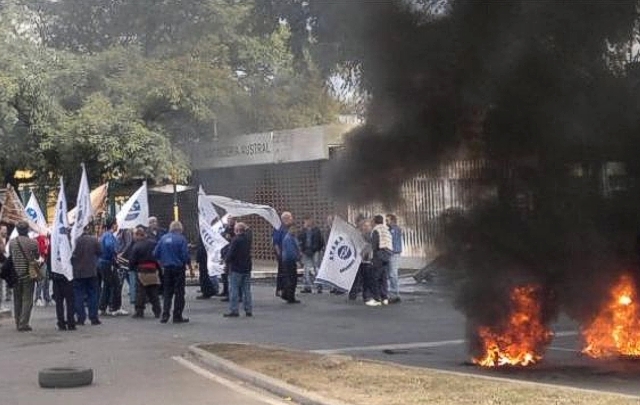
x=290, y=257
x=108, y=278
x=172, y=252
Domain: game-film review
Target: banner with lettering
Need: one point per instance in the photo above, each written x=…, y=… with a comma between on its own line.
x=342, y=256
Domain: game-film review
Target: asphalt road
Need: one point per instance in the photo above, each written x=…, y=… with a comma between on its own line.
x=134, y=359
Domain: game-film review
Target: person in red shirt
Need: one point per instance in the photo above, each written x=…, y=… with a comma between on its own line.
x=43, y=297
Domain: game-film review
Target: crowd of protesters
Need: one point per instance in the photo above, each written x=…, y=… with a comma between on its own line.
x=154, y=263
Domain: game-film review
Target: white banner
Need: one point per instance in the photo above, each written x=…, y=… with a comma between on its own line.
x=35, y=215
x=342, y=256
x=237, y=208
x=60, y=245
x=135, y=211
x=84, y=211
x=211, y=229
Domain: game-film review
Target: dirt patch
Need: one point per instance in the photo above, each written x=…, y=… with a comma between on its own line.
x=361, y=382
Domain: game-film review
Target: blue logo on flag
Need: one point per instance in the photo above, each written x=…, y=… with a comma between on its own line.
x=134, y=212
x=32, y=213
x=344, y=252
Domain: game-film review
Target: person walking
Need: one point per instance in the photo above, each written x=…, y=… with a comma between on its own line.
x=172, y=252
x=382, y=245
x=85, y=261
x=23, y=250
x=394, y=260
x=238, y=259
x=290, y=257
x=311, y=245
x=143, y=262
x=111, y=284
x=5, y=291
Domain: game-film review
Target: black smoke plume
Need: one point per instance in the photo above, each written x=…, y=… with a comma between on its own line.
x=541, y=90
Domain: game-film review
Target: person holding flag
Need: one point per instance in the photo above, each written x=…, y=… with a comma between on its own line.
x=61, y=269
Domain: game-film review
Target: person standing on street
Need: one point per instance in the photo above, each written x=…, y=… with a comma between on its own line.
x=143, y=262
x=111, y=284
x=5, y=291
x=155, y=233
x=23, y=250
x=43, y=297
x=85, y=282
x=278, y=238
x=290, y=257
x=228, y=233
x=311, y=245
x=394, y=260
x=172, y=252
x=382, y=249
x=238, y=259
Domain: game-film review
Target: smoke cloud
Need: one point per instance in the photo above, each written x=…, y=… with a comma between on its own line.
x=535, y=86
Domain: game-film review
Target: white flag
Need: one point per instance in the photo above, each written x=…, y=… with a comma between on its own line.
x=135, y=211
x=239, y=208
x=35, y=215
x=342, y=256
x=84, y=211
x=60, y=245
x=211, y=229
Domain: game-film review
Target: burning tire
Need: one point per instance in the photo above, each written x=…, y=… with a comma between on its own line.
x=65, y=377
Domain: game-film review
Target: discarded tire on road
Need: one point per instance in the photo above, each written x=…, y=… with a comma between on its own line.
x=65, y=377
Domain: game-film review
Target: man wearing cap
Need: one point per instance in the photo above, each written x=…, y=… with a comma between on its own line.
x=22, y=250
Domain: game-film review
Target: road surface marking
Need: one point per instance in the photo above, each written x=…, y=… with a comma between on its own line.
x=412, y=345
x=228, y=383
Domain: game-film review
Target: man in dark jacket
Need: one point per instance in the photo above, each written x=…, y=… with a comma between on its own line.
x=228, y=233
x=145, y=266
x=23, y=250
x=238, y=259
x=85, y=277
x=311, y=245
x=172, y=252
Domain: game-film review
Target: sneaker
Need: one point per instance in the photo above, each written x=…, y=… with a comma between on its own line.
x=395, y=300
x=120, y=312
x=39, y=303
x=249, y=314
x=181, y=320
x=96, y=322
x=385, y=302
x=372, y=303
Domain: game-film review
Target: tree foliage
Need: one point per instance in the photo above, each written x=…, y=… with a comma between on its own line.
x=126, y=85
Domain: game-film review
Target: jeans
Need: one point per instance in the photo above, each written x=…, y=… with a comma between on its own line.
x=42, y=288
x=289, y=280
x=394, y=265
x=380, y=270
x=23, y=302
x=111, y=291
x=63, y=292
x=86, y=290
x=240, y=284
x=310, y=270
x=371, y=288
x=174, y=281
x=133, y=285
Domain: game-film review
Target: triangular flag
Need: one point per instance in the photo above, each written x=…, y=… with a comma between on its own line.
x=84, y=211
x=13, y=211
x=60, y=244
x=34, y=214
x=98, y=198
x=135, y=211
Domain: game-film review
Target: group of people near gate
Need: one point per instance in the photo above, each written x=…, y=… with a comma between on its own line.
x=155, y=260
x=294, y=246
x=154, y=263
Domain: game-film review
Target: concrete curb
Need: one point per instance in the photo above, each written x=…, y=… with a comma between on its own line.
x=272, y=385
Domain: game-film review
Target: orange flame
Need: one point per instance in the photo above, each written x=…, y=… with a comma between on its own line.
x=521, y=340
x=616, y=328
